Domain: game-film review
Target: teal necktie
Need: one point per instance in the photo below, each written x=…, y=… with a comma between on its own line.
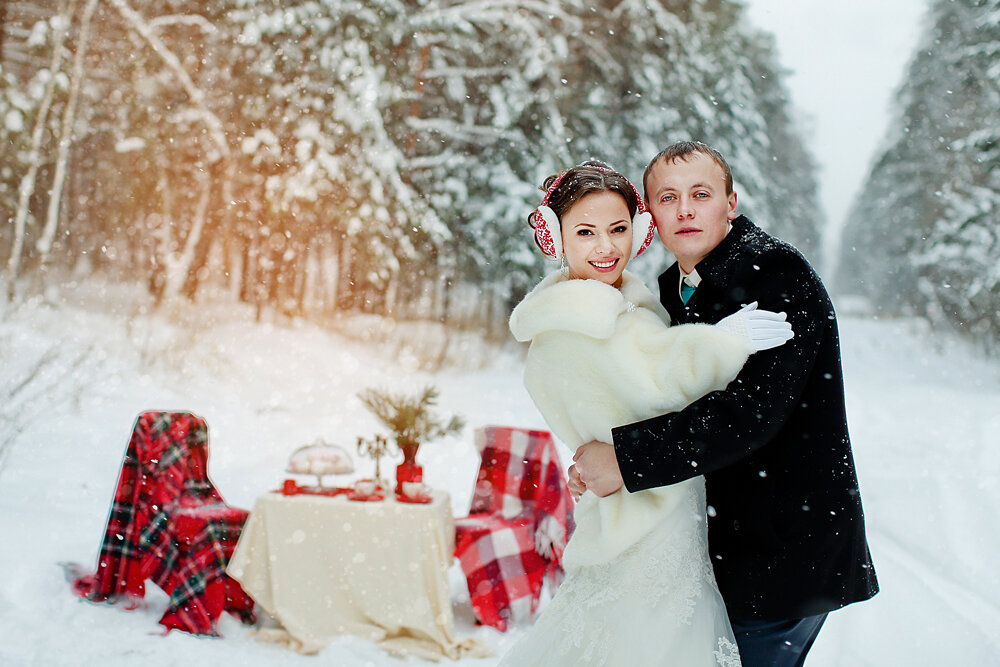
x=686, y=291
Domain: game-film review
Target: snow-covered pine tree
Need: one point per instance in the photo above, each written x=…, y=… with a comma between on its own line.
x=480, y=122
x=322, y=79
x=922, y=235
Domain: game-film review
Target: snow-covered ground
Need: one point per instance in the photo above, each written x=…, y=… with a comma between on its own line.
x=79, y=364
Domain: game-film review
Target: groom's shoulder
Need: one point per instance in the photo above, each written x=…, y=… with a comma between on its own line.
x=756, y=247
x=752, y=239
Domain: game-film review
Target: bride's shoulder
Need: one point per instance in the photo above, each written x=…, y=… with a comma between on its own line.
x=635, y=291
x=559, y=303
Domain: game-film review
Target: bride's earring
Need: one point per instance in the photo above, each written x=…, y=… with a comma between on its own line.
x=563, y=266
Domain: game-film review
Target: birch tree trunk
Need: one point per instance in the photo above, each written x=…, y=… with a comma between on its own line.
x=345, y=288
x=331, y=267
x=391, y=290
x=156, y=227
x=179, y=263
x=44, y=244
x=27, y=187
x=216, y=131
x=216, y=222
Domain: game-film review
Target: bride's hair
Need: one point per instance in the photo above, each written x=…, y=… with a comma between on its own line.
x=575, y=183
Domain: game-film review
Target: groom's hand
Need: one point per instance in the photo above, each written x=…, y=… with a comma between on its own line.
x=597, y=467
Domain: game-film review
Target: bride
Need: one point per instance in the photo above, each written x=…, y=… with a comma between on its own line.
x=639, y=588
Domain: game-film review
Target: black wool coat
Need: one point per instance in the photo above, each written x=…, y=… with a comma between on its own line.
x=786, y=529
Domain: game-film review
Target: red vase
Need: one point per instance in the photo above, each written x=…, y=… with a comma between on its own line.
x=410, y=453
x=408, y=470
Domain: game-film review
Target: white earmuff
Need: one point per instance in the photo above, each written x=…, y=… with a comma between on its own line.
x=554, y=231
x=642, y=227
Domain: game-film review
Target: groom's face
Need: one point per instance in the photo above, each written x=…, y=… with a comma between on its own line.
x=690, y=206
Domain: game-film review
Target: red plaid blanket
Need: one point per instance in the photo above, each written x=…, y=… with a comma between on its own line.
x=168, y=523
x=518, y=524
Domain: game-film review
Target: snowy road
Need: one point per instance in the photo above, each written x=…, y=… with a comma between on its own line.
x=925, y=422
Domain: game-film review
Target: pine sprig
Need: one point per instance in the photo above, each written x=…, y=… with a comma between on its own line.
x=408, y=417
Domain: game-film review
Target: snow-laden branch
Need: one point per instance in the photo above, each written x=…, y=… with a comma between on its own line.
x=184, y=19
x=384, y=154
x=197, y=96
x=442, y=159
x=489, y=12
x=463, y=131
x=464, y=72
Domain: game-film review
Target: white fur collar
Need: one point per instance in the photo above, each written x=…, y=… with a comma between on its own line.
x=589, y=307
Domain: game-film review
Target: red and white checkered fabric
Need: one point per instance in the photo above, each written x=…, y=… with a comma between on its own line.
x=518, y=524
x=168, y=523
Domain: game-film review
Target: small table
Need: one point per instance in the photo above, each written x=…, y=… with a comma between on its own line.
x=326, y=566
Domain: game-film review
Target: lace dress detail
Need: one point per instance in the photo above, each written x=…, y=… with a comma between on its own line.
x=728, y=653
x=655, y=604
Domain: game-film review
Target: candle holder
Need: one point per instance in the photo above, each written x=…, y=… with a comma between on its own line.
x=375, y=448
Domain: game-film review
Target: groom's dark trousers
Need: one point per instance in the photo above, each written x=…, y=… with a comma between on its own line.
x=776, y=643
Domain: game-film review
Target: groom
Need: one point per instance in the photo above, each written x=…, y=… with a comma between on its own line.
x=785, y=525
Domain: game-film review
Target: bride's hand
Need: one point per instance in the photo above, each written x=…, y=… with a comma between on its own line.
x=597, y=466
x=576, y=485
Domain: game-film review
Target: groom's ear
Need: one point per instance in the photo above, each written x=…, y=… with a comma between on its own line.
x=731, y=213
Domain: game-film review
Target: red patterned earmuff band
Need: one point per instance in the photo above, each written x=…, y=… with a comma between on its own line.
x=547, y=232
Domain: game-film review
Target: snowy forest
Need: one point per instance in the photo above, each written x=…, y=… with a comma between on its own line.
x=309, y=157
x=376, y=156
x=924, y=233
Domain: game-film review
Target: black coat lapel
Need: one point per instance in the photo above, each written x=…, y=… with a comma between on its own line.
x=670, y=294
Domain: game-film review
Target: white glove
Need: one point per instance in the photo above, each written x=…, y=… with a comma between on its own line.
x=762, y=329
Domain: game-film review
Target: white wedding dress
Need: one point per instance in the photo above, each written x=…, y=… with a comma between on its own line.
x=655, y=604
x=639, y=589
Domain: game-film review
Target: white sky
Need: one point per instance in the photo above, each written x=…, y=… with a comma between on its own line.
x=845, y=60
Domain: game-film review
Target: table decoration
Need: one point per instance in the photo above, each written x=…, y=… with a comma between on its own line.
x=372, y=498
x=420, y=500
x=409, y=419
x=375, y=449
x=319, y=459
x=414, y=492
x=291, y=488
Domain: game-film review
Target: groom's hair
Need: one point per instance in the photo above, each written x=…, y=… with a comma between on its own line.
x=680, y=151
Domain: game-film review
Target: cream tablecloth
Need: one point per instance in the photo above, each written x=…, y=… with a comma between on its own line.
x=326, y=566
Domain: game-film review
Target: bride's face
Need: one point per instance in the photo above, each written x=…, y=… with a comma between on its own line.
x=597, y=237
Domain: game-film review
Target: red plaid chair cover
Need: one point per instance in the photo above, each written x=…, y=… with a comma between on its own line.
x=518, y=523
x=169, y=524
